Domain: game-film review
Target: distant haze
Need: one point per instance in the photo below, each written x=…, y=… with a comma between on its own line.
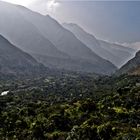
x=115, y=21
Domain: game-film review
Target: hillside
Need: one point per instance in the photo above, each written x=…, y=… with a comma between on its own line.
x=135, y=71
x=43, y=37
x=13, y=61
x=67, y=43
x=132, y=66
x=77, y=107
x=24, y=34
x=115, y=53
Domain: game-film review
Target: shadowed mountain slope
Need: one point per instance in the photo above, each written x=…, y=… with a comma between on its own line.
x=132, y=66
x=13, y=61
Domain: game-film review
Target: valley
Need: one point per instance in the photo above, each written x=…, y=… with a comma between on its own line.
x=59, y=80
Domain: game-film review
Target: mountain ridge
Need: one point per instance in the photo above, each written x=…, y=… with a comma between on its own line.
x=65, y=40
x=115, y=53
x=23, y=33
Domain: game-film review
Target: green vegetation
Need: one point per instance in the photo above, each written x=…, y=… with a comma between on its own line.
x=71, y=107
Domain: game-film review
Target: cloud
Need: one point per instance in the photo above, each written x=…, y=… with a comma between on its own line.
x=52, y=5
x=45, y=6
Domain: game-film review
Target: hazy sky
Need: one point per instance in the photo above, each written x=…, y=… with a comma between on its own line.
x=114, y=21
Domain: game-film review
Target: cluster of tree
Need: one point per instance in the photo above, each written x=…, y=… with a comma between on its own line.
x=69, y=108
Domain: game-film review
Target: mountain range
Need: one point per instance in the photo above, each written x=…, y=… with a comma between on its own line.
x=57, y=46
x=48, y=41
x=117, y=54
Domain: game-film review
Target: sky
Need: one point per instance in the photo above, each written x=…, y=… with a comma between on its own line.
x=115, y=21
